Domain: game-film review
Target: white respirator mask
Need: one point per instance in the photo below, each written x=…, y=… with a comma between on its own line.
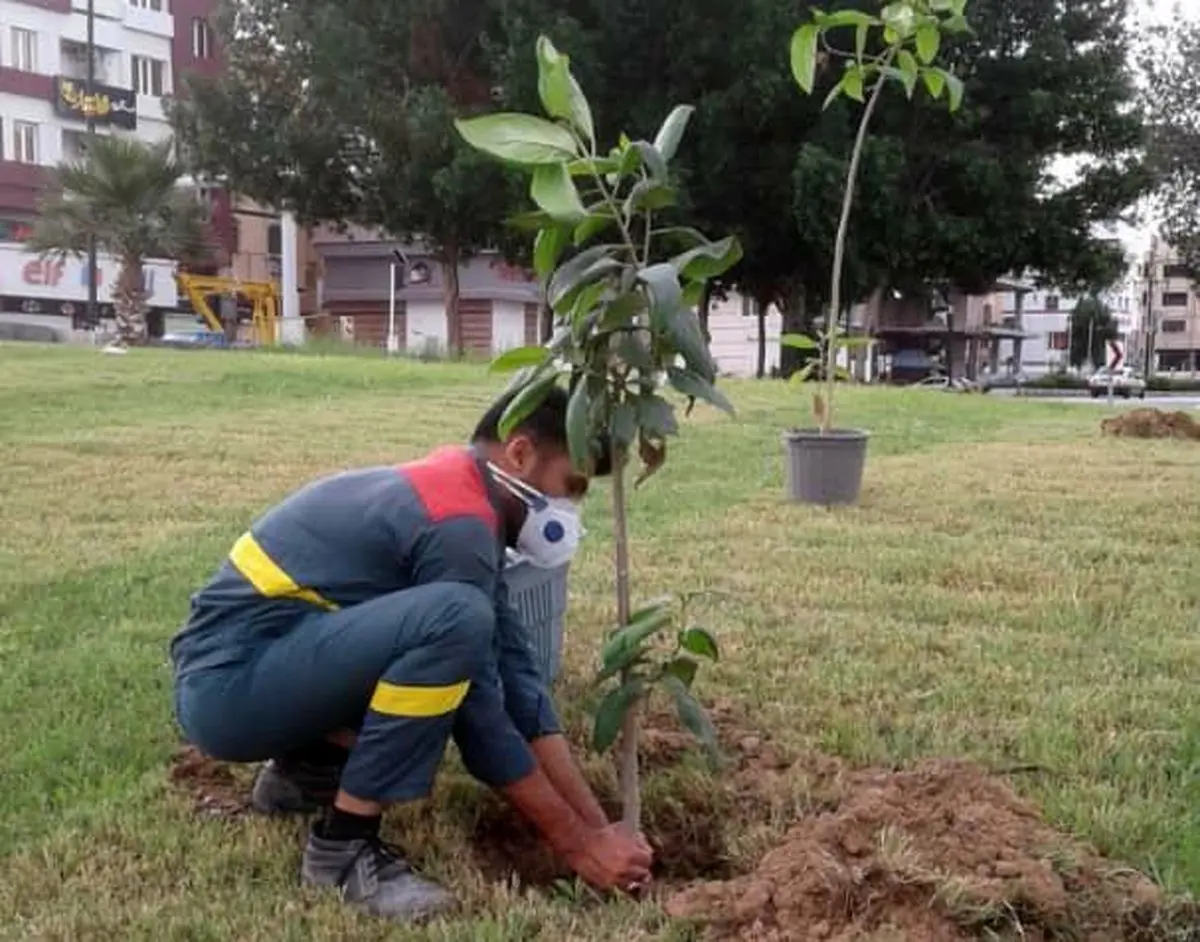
x=552, y=529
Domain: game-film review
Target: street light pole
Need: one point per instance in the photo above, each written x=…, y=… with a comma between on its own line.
x=90, y=115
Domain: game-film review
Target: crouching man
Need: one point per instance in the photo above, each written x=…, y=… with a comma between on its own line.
x=364, y=621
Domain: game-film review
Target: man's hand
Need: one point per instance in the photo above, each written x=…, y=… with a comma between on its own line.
x=612, y=858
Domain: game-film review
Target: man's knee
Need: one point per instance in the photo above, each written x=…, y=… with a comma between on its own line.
x=461, y=616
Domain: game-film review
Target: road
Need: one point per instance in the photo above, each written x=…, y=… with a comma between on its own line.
x=1190, y=401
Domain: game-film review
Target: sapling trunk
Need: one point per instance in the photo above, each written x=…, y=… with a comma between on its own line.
x=839, y=245
x=627, y=748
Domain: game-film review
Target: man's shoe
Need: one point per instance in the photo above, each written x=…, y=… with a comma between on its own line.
x=373, y=875
x=294, y=787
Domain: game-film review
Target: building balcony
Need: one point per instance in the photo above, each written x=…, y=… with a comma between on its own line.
x=154, y=22
x=26, y=84
x=20, y=186
x=104, y=9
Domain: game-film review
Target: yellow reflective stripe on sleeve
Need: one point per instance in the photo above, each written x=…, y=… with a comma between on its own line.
x=268, y=579
x=396, y=700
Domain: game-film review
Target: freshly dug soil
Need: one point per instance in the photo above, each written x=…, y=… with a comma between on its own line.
x=1152, y=423
x=941, y=853
x=211, y=786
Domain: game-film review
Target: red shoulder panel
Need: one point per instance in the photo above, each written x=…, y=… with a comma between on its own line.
x=448, y=483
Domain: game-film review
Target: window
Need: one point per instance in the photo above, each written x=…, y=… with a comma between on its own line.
x=149, y=76
x=24, y=50
x=1173, y=327
x=274, y=239
x=202, y=39
x=25, y=141
x=1174, y=299
x=1052, y=302
x=1176, y=271
x=1058, y=340
x=156, y=5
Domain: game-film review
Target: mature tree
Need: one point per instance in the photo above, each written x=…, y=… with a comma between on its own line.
x=1090, y=327
x=342, y=111
x=1171, y=64
x=126, y=195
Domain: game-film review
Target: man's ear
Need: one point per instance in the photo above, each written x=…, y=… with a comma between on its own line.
x=521, y=454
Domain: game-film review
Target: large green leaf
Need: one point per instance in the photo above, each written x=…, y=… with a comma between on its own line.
x=700, y=642
x=652, y=160
x=798, y=342
x=610, y=715
x=518, y=358
x=595, y=223
x=524, y=402
x=560, y=93
x=687, y=337
x=666, y=142
x=683, y=668
x=665, y=294
x=656, y=416
x=649, y=195
x=954, y=89
x=554, y=191
x=696, y=387
x=578, y=431
x=692, y=715
x=548, y=248
x=593, y=262
x=519, y=138
x=804, y=56
x=622, y=424
x=626, y=643
x=709, y=260
x=929, y=40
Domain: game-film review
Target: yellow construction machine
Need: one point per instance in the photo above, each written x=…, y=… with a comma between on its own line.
x=262, y=295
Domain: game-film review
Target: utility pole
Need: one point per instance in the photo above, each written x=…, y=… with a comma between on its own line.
x=1148, y=269
x=90, y=115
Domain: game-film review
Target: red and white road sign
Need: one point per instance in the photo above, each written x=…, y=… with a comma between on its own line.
x=1117, y=355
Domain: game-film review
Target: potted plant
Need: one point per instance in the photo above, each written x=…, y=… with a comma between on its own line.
x=825, y=464
x=623, y=292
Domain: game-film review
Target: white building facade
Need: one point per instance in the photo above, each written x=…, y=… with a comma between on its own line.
x=1046, y=320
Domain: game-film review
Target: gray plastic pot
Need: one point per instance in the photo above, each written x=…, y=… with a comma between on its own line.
x=825, y=469
x=540, y=597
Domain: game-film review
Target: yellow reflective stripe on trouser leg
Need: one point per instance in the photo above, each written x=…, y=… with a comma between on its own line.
x=398, y=700
x=266, y=575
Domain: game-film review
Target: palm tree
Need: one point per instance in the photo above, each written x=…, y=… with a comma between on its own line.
x=125, y=194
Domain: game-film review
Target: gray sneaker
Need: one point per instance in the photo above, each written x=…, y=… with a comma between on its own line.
x=294, y=788
x=375, y=876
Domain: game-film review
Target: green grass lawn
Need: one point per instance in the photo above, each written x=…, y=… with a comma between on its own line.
x=1013, y=589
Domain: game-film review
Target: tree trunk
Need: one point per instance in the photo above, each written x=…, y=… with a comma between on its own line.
x=627, y=749
x=546, y=322
x=450, y=293
x=794, y=309
x=129, y=303
x=760, y=317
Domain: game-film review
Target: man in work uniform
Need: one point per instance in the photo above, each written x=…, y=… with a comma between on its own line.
x=364, y=621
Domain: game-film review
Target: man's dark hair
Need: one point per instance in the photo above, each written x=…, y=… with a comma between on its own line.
x=545, y=425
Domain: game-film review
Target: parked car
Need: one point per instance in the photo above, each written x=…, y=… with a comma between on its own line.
x=990, y=381
x=1126, y=383
x=945, y=384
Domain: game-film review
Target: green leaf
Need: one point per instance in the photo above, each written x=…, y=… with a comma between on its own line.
x=531, y=221
x=852, y=83
x=578, y=437
x=798, y=342
x=956, y=25
x=683, y=668
x=688, y=338
x=519, y=358
x=900, y=18
x=626, y=643
x=708, y=261
x=700, y=642
x=804, y=56
x=593, y=166
x=696, y=387
x=649, y=195
x=610, y=715
x=692, y=716
x=635, y=351
x=655, y=605
x=560, y=93
x=909, y=71
x=665, y=295
x=621, y=310
x=593, y=262
x=666, y=142
x=935, y=82
x=554, y=192
x=929, y=40
x=521, y=139
x=623, y=424
x=651, y=159
x=656, y=416
x=548, y=248
x=592, y=227
x=859, y=342
x=523, y=404
x=861, y=33
x=841, y=18
x=954, y=89
x=686, y=235
x=805, y=373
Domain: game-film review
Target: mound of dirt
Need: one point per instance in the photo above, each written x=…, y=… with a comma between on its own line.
x=211, y=786
x=1152, y=423
x=941, y=853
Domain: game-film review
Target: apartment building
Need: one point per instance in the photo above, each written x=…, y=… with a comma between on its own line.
x=43, y=109
x=1170, y=298
x=1046, y=321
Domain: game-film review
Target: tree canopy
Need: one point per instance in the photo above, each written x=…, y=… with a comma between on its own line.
x=1091, y=327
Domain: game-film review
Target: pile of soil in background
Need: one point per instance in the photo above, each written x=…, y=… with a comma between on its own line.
x=1152, y=423
x=941, y=853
